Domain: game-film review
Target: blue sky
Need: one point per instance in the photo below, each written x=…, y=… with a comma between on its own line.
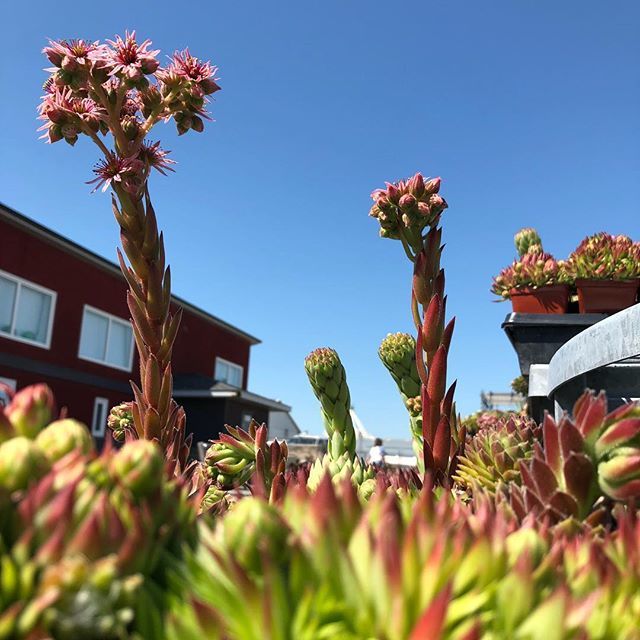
x=528, y=110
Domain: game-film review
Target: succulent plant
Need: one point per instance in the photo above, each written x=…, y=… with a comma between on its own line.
x=605, y=257
x=520, y=385
x=88, y=540
x=446, y=571
x=64, y=436
x=22, y=463
x=406, y=207
x=30, y=410
x=120, y=420
x=398, y=354
x=525, y=239
x=329, y=383
x=239, y=456
x=531, y=271
x=492, y=456
x=583, y=459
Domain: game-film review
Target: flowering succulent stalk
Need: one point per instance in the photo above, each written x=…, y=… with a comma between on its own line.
x=238, y=456
x=605, y=257
x=114, y=93
x=398, y=354
x=525, y=239
x=329, y=382
x=410, y=211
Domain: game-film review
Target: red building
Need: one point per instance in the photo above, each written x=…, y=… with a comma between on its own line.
x=64, y=321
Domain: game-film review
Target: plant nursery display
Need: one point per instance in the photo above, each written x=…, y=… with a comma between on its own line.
x=535, y=282
x=515, y=531
x=606, y=272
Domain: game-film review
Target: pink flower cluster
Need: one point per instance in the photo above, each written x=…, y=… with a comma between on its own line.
x=409, y=205
x=119, y=89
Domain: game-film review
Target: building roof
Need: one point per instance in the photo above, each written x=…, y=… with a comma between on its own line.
x=199, y=386
x=44, y=233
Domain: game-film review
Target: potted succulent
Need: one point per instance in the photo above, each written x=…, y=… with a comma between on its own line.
x=606, y=272
x=536, y=282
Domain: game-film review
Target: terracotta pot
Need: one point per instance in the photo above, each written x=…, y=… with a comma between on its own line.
x=553, y=298
x=606, y=296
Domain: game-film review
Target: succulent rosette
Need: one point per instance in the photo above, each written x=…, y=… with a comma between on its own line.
x=531, y=271
x=492, y=456
x=605, y=257
x=92, y=540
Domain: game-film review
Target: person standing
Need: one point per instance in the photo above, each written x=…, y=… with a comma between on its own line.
x=376, y=454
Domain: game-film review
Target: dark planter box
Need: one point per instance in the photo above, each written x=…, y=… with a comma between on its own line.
x=536, y=337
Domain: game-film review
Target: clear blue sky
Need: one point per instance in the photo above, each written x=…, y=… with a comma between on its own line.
x=529, y=111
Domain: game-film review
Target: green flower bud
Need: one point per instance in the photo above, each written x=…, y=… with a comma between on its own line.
x=138, y=466
x=31, y=410
x=63, y=436
x=22, y=463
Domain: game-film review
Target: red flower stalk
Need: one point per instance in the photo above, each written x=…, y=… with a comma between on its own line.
x=410, y=211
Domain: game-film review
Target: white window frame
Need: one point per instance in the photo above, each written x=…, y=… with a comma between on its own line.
x=52, y=310
x=111, y=318
x=229, y=364
x=98, y=431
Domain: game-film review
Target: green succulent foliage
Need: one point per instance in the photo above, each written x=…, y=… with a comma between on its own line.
x=493, y=455
x=398, y=354
x=329, y=383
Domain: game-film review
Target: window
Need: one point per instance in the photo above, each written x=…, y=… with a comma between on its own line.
x=106, y=339
x=26, y=311
x=100, y=413
x=4, y=396
x=228, y=372
x=246, y=420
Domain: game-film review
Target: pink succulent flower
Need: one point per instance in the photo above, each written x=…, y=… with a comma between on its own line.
x=125, y=171
x=70, y=54
x=128, y=59
x=153, y=156
x=185, y=67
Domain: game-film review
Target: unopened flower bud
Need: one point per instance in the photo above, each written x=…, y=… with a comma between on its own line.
x=69, y=64
x=197, y=124
x=423, y=209
x=149, y=65
x=209, y=86
x=251, y=528
x=31, y=410
x=22, y=462
x=120, y=419
x=63, y=436
x=55, y=133
x=138, y=466
x=131, y=127
x=407, y=201
x=433, y=185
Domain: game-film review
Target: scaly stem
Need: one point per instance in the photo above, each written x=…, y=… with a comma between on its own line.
x=155, y=413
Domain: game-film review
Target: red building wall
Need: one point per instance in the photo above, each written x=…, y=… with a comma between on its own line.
x=78, y=281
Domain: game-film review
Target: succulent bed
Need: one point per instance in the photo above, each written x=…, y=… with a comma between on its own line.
x=518, y=530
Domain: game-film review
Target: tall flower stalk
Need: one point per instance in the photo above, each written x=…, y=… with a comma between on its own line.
x=410, y=211
x=114, y=94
